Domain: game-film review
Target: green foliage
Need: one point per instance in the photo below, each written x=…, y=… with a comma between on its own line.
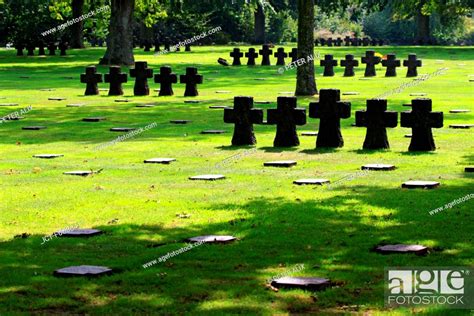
x=282, y=27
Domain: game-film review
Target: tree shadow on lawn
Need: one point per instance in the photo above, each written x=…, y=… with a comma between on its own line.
x=331, y=235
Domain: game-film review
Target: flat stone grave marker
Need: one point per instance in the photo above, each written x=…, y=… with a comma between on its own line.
x=94, y=119
x=420, y=184
x=33, y=128
x=68, y=77
x=350, y=93
x=145, y=105
x=262, y=102
x=223, y=91
x=260, y=79
x=192, y=101
x=75, y=105
x=462, y=126
x=84, y=270
x=103, y=89
x=401, y=248
x=305, y=283
x=122, y=129
x=47, y=89
x=164, y=161
x=213, y=131
x=82, y=173
x=286, y=92
x=406, y=104
x=212, y=239
x=363, y=78
x=8, y=104
x=218, y=107
x=157, y=90
x=309, y=134
x=122, y=100
x=25, y=77
x=469, y=169
x=280, y=163
x=180, y=121
x=407, y=135
x=47, y=156
x=78, y=232
x=459, y=111
x=378, y=167
x=418, y=94
x=208, y=177
x=311, y=181
x=57, y=99
x=12, y=118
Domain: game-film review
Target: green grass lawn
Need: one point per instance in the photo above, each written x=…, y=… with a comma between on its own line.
x=279, y=225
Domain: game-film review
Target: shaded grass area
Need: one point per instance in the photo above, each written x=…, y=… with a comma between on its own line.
x=278, y=224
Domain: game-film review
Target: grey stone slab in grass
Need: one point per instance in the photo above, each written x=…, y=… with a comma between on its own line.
x=57, y=99
x=378, y=167
x=78, y=232
x=146, y=105
x=218, y=107
x=33, y=128
x=84, y=270
x=82, y=173
x=260, y=79
x=12, y=118
x=311, y=181
x=122, y=100
x=406, y=104
x=462, y=126
x=94, y=119
x=402, y=249
x=420, y=184
x=180, y=121
x=212, y=239
x=223, y=91
x=280, y=163
x=103, y=89
x=47, y=89
x=305, y=283
x=208, y=177
x=165, y=161
x=469, y=169
x=192, y=101
x=455, y=111
x=286, y=93
x=75, y=105
x=365, y=78
x=122, y=129
x=262, y=102
x=309, y=133
x=350, y=93
x=8, y=104
x=418, y=94
x=213, y=131
x=48, y=156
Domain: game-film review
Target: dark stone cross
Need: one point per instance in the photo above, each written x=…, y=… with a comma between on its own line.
x=30, y=50
x=236, y=54
x=286, y=116
x=62, y=48
x=141, y=73
x=187, y=47
x=322, y=41
x=376, y=118
x=328, y=62
x=371, y=60
x=329, y=41
x=293, y=54
x=391, y=63
x=19, y=49
x=355, y=41
x=92, y=78
x=316, y=42
x=338, y=41
x=52, y=49
x=347, y=40
x=167, y=46
x=157, y=44
x=266, y=52
x=251, y=55
x=243, y=115
x=115, y=77
x=381, y=42
x=166, y=79
x=373, y=42
x=412, y=63
x=147, y=46
x=330, y=109
x=41, y=51
x=365, y=41
x=421, y=120
x=349, y=63
x=191, y=79
x=280, y=55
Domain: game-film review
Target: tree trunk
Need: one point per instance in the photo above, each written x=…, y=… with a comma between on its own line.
x=305, y=81
x=77, y=28
x=120, y=39
x=422, y=28
x=259, y=27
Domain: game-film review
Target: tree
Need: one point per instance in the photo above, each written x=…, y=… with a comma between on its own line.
x=120, y=39
x=305, y=81
x=77, y=28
